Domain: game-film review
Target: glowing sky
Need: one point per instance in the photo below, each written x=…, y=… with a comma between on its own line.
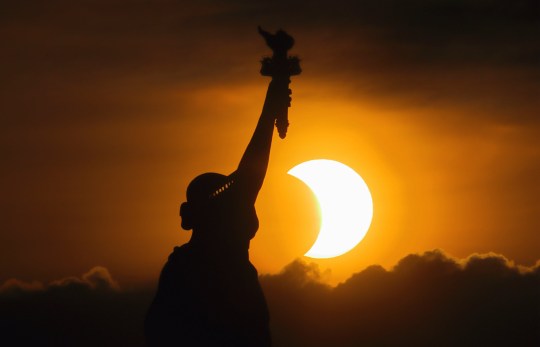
x=110, y=108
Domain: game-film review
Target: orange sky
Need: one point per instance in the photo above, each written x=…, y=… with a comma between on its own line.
x=109, y=111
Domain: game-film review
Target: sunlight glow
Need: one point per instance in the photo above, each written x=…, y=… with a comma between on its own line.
x=345, y=203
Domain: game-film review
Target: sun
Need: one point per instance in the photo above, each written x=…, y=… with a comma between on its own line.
x=345, y=203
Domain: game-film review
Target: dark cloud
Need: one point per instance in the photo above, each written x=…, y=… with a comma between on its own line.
x=425, y=300
x=89, y=310
x=97, y=279
x=14, y=286
x=430, y=299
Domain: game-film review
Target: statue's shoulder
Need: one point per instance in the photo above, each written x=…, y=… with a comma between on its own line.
x=180, y=253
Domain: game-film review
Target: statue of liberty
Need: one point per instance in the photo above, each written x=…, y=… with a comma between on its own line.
x=208, y=292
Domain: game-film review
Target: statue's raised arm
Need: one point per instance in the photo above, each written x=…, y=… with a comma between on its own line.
x=252, y=169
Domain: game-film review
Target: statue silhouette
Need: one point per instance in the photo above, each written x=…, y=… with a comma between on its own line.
x=208, y=292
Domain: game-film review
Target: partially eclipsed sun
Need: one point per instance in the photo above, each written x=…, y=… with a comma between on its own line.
x=345, y=204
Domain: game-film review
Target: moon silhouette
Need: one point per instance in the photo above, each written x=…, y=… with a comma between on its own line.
x=345, y=204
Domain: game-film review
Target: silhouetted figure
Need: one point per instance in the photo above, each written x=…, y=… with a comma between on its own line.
x=208, y=292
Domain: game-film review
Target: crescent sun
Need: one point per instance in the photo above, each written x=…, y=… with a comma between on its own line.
x=345, y=203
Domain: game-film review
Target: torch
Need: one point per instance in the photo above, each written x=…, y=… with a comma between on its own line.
x=280, y=66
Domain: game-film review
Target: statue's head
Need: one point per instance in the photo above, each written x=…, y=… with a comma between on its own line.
x=216, y=212
x=200, y=194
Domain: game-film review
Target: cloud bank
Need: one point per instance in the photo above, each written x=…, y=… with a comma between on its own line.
x=87, y=310
x=96, y=279
x=430, y=299
x=425, y=300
